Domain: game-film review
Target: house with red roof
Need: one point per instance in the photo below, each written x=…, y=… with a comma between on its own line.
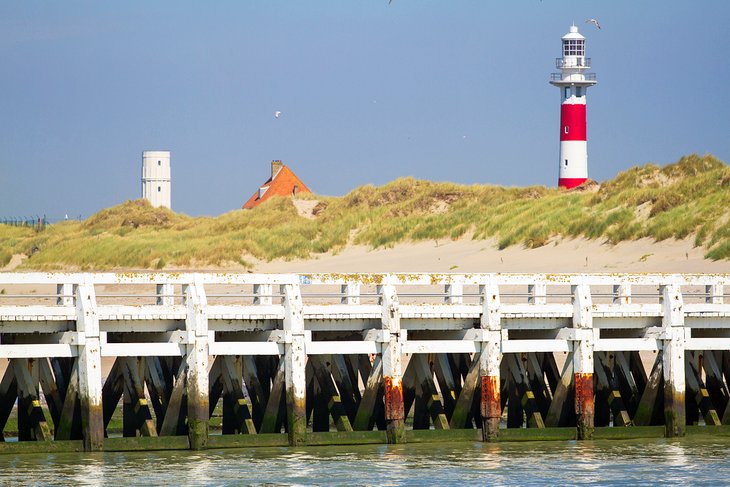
x=283, y=182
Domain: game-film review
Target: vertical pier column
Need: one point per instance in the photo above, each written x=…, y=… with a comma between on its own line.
x=392, y=365
x=295, y=361
x=489, y=361
x=263, y=294
x=673, y=360
x=196, y=326
x=350, y=293
x=165, y=294
x=454, y=293
x=583, y=360
x=89, y=367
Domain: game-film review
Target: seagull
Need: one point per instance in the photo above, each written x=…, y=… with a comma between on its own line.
x=593, y=21
x=277, y=114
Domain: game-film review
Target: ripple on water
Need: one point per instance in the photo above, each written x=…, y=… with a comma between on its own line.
x=633, y=462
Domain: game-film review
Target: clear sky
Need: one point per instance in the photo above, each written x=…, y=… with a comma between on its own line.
x=446, y=90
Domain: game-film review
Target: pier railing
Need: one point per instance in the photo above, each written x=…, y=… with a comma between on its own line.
x=372, y=357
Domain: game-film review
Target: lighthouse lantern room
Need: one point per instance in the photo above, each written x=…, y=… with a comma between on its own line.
x=573, y=82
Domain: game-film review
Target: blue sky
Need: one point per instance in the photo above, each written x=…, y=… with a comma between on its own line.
x=446, y=90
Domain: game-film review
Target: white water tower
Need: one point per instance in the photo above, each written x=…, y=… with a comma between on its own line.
x=156, y=186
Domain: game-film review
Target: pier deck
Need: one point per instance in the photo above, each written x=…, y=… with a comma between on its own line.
x=368, y=358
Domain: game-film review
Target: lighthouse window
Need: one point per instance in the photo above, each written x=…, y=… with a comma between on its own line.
x=159, y=188
x=566, y=163
x=573, y=47
x=565, y=129
x=567, y=92
x=578, y=91
x=159, y=163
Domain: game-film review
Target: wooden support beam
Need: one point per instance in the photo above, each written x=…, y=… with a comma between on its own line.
x=607, y=380
x=536, y=378
x=392, y=365
x=713, y=380
x=652, y=396
x=466, y=398
x=349, y=393
x=272, y=412
x=196, y=358
x=517, y=370
x=697, y=390
x=552, y=373
x=561, y=411
x=674, y=361
x=583, y=360
x=51, y=393
x=426, y=389
x=371, y=398
x=626, y=382
x=446, y=382
x=8, y=395
x=295, y=360
x=174, y=420
x=29, y=406
x=257, y=395
x=89, y=367
x=233, y=390
x=68, y=426
x=330, y=394
x=137, y=416
x=158, y=388
x=490, y=362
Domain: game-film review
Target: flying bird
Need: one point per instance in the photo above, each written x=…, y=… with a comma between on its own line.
x=593, y=21
x=277, y=114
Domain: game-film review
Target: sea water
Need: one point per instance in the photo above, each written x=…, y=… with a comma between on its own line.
x=695, y=461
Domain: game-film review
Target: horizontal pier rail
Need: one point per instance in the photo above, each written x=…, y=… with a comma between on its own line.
x=311, y=359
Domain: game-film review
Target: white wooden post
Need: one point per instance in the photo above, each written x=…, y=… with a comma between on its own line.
x=165, y=294
x=295, y=364
x=622, y=293
x=454, y=293
x=89, y=367
x=714, y=293
x=583, y=360
x=392, y=365
x=351, y=293
x=196, y=326
x=263, y=294
x=490, y=360
x=673, y=360
x=65, y=294
x=537, y=293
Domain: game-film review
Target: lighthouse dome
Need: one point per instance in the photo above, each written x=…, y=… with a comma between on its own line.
x=573, y=34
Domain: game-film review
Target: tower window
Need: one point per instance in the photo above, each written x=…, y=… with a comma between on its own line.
x=578, y=91
x=566, y=163
x=159, y=188
x=159, y=163
x=567, y=92
x=574, y=47
x=565, y=129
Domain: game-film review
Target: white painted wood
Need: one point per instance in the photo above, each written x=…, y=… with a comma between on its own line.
x=263, y=294
x=143, y=350
x=38, y=350
x=344, y=347
x=521, y=346
x=627, y=344
x=440, y=346
x=351, y=293
x=246, y=348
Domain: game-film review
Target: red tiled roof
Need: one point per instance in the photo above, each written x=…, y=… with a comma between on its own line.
x=282, y=184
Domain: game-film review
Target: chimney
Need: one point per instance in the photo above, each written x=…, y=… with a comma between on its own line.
x=275, y=168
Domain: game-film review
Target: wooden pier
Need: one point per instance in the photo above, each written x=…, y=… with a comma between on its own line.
x=368, y=358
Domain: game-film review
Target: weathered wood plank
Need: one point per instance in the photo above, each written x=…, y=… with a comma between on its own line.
x=330, y=393
x=466, y=398
x=29, y=406
x=561, y=411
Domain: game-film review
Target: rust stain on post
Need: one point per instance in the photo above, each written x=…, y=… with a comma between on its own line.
x=394, y=415
x=490, y=407
x=584, y=406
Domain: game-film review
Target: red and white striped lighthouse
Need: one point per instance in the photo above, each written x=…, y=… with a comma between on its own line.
x=573, y=82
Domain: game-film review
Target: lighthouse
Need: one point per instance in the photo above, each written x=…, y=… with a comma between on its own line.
x=573, y=82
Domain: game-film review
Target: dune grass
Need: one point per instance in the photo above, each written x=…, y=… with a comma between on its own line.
x=688, y=198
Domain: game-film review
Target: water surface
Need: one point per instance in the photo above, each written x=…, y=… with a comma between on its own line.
x=693, y=461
